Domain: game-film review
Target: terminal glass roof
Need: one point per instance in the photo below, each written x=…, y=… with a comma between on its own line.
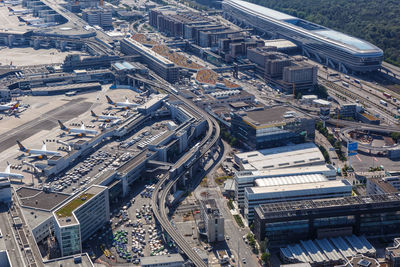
x=345, y=39
x=265, y=11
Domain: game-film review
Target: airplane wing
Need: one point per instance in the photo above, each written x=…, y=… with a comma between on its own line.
x=126, y=100
x=44, y=148
x=8, y=168
x=83, y=127
x=36, y=156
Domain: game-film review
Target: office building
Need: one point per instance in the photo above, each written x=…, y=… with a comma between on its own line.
x=350, y=110
x=295, y=175
x=271, y=127
x=329, y=47
x=305, y=154
x=79, y=218
x=99, y=16
x=374, y=216
x=170, y=260
x=5, y=190
x=392, y=254
x=157, y=63
x=213, y=220
x=256, y=195
x=282, y=70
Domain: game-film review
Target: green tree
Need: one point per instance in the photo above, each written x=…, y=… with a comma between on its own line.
x=265, y=256
x=395, y=136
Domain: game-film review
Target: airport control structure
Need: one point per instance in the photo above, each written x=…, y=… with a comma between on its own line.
x=335, y=49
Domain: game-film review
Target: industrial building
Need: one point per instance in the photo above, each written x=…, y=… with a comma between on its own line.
x=328, y=251
x=213, y=221
x=159, y=64
x=79, y=218
x=98, y=16
x=257, y=195
x=374, y=216
x=329, y=47
x=271, y=127
x=282, y=70
x=295, y=175
x=305, y=154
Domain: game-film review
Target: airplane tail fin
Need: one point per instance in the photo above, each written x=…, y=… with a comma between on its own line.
x=109, y=100
x=62, y=126
x=93, y=114
x=21, y=147
x=15, y=106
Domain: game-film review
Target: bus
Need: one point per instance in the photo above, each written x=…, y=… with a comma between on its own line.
x=388, y=96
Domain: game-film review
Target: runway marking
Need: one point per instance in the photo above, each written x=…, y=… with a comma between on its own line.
x=358, y=158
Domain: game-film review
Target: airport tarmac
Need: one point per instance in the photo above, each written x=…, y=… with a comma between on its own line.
x=38, y=122
x=17, y=56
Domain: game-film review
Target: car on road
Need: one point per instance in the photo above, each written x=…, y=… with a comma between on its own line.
x=244, y=260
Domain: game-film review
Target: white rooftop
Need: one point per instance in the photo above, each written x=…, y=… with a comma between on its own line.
x=281, y=157
x=293, y=179
x=321, y=187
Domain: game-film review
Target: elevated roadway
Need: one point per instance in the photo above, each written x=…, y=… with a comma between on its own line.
x=166, y=183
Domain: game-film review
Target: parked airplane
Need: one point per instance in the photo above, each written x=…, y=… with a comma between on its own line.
x=9, y=106
x=123, y=105
x=106, y=118
x=38, y=153
x=77, y=131
x=19, y=11
x=8, y=174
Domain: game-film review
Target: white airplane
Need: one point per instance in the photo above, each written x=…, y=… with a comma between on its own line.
x=9, y=106
x=77, y=131
x=8, y=174
x=19, y=11
x=106, y=118
x=123, y=105
x=37, y=153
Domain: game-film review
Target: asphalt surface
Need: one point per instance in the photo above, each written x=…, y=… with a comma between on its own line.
x=47, y=122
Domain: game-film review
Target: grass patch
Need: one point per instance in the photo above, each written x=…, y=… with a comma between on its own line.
x=221, y=180
x=66, y=210
x=238, y=220
x=230, y=204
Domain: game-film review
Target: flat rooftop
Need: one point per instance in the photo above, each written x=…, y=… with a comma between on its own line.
x=69, y=262
x=266, y=117
x=304, y=207
x=64, y=214
x=326, y=170
x=288, y=180
x=281, y=157
x=38, y=199
x=162, y=259
x=281, y=189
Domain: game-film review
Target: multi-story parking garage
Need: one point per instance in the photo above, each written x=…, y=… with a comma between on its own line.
x=335, y=49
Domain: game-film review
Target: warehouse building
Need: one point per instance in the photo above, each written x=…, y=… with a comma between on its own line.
x=272, y=127
x=306, y=154
x=374, y=216
x=255, y=196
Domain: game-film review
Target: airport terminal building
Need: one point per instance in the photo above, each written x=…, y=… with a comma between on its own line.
x=338, y=50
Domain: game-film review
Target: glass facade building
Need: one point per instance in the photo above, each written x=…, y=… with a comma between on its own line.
x=330, y=47
x=374, y=216
x=271, y=127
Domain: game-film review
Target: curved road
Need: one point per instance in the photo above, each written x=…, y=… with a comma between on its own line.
x=158, y=205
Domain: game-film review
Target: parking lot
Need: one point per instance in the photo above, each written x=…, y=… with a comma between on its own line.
x=132, y=232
